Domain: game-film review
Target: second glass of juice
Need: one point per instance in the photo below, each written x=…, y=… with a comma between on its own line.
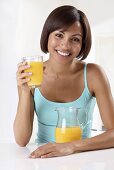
x=36, y=68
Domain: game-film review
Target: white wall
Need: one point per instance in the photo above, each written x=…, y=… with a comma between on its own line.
x=20, y=28
x=8, y=92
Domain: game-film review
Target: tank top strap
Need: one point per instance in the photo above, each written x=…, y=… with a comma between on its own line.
x=85, y=75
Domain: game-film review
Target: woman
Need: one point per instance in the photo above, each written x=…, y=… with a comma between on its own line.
x=67, y=81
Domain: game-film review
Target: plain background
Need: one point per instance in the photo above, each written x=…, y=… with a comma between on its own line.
x=21, y=22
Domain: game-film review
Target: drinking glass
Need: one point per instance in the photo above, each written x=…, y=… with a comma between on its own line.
x=36, y=68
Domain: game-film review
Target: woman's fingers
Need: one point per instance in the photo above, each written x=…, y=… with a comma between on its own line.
x=21, y=69
x=23, y=81
x=24, y=75
x=43, y=150
x=50, y=155
x=52, y=150
x=46, y=151
x=23, y=78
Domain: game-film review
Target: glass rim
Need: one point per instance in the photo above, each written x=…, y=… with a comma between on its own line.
x=30, y=58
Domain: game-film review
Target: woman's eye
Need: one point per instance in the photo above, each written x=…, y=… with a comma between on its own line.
x=59, y=35
x=75, y=40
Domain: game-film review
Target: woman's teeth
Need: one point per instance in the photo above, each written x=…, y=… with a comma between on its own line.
x=63, y=54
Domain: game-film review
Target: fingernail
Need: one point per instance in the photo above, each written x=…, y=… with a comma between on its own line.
x=23, y=63
x=43, y=156
x=32, y=156
x=30, y=73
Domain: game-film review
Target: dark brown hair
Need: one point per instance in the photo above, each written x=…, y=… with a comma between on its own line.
x=63, y=17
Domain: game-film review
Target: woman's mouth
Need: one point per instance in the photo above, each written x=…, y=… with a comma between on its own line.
x=64, y=54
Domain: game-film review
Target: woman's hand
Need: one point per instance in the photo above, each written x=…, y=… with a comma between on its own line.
x=21, y=76
x=52, y=150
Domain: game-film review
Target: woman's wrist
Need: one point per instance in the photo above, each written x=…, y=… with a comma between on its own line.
x=78, y=145
x=23, y=90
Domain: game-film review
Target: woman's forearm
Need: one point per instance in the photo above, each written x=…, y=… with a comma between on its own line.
x=24, y=119
x=102, y=141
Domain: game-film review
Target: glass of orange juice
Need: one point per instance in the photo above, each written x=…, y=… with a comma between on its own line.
x=36, y=68
x=69, y=127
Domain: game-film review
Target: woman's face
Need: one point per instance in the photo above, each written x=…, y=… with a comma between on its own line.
x=65, y=44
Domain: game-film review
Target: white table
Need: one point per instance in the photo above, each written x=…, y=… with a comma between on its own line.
x=13, y=157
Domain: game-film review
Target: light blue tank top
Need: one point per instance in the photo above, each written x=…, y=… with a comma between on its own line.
x=47, y=116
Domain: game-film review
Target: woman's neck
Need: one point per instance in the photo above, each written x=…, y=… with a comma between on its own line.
x=61, y=69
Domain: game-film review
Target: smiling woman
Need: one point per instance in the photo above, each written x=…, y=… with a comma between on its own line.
x=67, y=82
x=66, y=43
x=60, y=21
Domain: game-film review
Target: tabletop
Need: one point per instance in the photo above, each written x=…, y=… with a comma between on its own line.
x=13, y=157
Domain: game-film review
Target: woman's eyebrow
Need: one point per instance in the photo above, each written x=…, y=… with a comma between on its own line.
x=78, y=34
x=63, y=32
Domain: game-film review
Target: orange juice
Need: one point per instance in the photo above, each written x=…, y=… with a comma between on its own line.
x=36, y=68
x=68, y=134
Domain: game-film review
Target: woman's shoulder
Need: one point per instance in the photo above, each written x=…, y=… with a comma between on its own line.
x=94, y=69
x=97, y=77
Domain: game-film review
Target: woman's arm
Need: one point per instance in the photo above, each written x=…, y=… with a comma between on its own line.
x=23, y=123
x=102, y=141
x=99, y=85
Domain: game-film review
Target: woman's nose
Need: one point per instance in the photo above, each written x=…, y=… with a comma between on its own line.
x=65, y=44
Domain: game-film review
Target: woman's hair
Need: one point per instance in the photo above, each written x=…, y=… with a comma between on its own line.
x=63, y=17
